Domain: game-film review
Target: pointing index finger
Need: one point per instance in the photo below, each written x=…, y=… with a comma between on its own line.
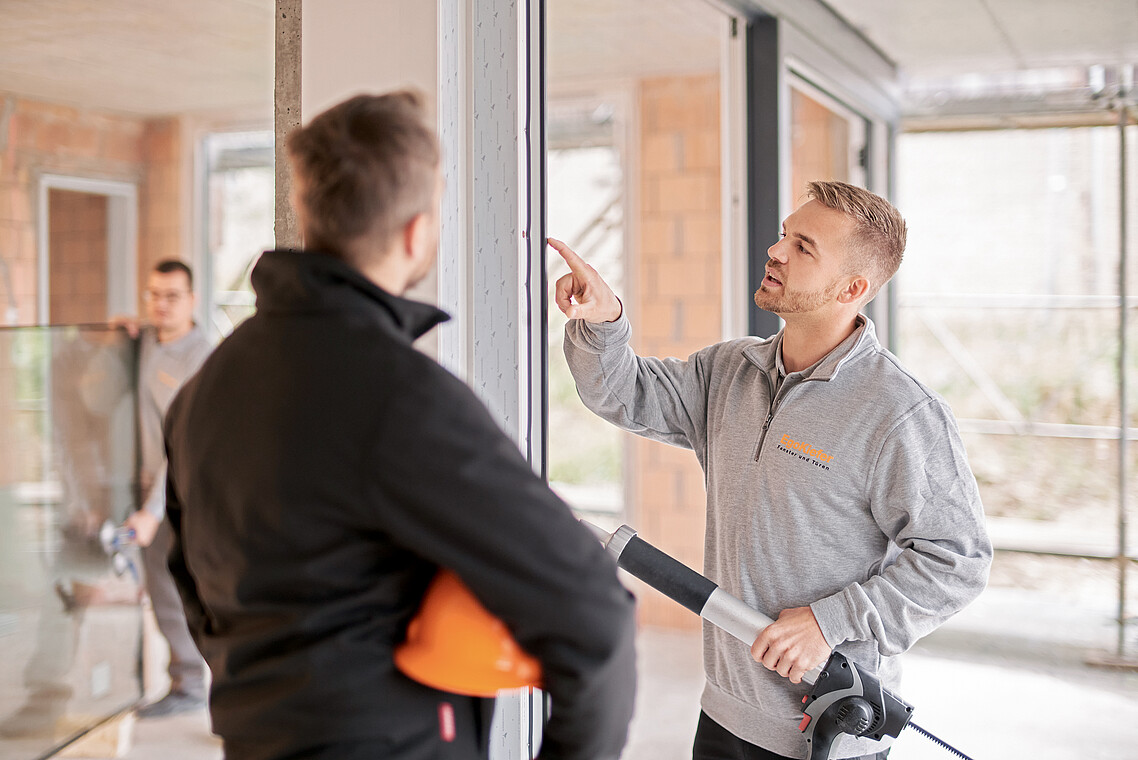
x=574, y=261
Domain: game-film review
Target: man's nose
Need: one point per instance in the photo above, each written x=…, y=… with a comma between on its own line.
x=775, y=252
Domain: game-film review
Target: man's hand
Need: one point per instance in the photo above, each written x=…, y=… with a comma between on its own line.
x=128, y=323
x=582, y=294
x=791, y=645
x=145, y=526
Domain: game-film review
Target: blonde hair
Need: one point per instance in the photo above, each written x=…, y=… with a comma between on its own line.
x=878, y=240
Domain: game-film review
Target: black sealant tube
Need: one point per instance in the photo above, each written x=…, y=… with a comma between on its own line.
x=666, y=574
x=679, y=582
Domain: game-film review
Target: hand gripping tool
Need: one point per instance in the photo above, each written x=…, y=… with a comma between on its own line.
x=845, y=698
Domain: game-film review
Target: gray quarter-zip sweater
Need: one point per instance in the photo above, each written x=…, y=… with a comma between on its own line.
x=163, y=368
x=844, y=487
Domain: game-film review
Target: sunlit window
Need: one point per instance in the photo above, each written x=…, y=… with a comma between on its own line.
x=239, y=221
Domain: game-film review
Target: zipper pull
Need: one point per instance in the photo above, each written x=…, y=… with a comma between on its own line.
x=763, y=435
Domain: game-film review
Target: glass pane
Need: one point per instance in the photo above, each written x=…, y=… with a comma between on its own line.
x=634, y=186
x=70, y=619
x=1009, y=307
x=1019, y=365
x=1052, y=493
x=240, y=218
x=826, y=141
x=586, y=463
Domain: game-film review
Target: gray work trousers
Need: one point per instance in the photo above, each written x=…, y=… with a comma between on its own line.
x=187, y=668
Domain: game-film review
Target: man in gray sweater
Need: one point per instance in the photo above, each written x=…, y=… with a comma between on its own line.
x=171, y=349
x=840, y=501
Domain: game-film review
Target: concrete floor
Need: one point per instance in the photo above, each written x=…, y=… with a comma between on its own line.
x=1005, y=679
x=990, y=696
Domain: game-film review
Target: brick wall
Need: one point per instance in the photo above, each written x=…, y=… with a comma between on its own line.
x=160, y=197
x=78, y=265
x=820, y=142
x=39, y=138
x=678, y=302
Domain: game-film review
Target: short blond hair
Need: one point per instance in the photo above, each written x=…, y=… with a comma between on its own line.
x=878, y=241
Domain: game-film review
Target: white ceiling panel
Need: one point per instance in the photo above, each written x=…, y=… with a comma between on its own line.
x=937, y=38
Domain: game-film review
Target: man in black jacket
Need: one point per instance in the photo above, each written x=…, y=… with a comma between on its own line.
x=321, y=470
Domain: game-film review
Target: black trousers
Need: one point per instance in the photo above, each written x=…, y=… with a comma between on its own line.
x=714, y=742
x=463, y=733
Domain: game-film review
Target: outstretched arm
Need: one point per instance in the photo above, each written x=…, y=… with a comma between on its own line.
x=661, y=399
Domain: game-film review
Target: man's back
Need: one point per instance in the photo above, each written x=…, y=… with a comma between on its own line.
x=321, y=470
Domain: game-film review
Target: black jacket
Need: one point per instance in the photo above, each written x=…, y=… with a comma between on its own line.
x=320, y=471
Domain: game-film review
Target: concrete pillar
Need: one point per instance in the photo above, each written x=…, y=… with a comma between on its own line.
x=286, y=112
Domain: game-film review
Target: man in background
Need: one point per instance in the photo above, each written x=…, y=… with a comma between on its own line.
x=90, y=386
x=171, y=349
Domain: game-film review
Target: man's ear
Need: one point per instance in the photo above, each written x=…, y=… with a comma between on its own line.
x=854, y=291
x=415, y=236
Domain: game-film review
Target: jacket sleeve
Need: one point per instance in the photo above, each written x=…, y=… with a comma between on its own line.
x=661, y=399
x=924, y=497
x=453, y=489
x=175, y=560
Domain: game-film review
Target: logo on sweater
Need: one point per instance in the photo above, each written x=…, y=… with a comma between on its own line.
x=805, y=451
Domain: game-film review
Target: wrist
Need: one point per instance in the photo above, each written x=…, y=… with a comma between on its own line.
x=617, y=310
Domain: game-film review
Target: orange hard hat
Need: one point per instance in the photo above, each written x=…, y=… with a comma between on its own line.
x=456, y=645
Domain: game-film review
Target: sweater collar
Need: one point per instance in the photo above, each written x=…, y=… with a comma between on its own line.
x=292, y=281
x=767, y=355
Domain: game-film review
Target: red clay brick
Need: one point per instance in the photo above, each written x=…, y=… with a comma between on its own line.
x=702, y=233
x=122, y=146
x=703, y=321
x=701, y=149
x=659, y=235
x=680, y=277
x=662, y=151
x=689, y=191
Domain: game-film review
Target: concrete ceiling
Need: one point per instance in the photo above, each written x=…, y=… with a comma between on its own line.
x=156, y=57
x=140, y=57
x=932, y=39
x=590, y=39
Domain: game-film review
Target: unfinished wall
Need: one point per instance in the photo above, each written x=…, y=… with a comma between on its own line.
x=161, y=205
x=42, y=138
x=78, y=243
x=678, y=300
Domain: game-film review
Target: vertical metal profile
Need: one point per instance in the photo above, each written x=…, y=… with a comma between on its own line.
x=533, y=234
x=536, y=285
x=764, y=66
x=1123, y=432
x=455, y=259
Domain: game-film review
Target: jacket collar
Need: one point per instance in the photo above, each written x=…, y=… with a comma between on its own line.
x=767, y=354
x=294, y=281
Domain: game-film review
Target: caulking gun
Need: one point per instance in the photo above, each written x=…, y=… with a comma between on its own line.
x=845, y=699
